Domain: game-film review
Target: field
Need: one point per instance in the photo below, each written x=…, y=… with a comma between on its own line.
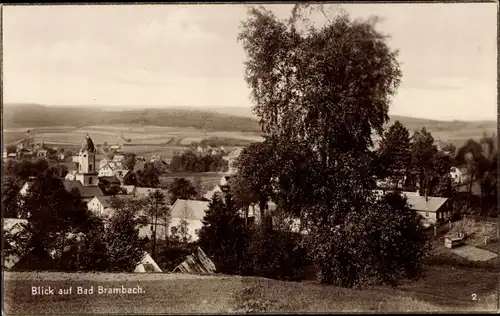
x=207, y=180
x=144, y=140
x=442, y=289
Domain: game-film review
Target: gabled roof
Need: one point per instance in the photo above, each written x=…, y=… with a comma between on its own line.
x=189, y=209
x=209, y=195
x=423, y=204
x=105, y=200
x=110, y=179
x=85, y=191
x=419, y=203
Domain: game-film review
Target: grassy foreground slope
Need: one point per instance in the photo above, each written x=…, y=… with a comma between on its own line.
x=172, y=293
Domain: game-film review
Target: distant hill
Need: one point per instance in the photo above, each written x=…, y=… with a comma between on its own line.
x=215, y=119
x=35, y=115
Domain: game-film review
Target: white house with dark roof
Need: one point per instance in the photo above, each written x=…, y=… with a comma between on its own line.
x=190, y=211
x=431, y=208
x=100, y=205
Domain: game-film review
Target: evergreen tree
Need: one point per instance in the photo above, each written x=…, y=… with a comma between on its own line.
x=123, y=245
x=222, y=236
x=394, y=153
x=423, y=150
x=55, y=217
x=181, y=188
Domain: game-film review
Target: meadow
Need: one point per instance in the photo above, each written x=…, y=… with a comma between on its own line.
x=144, y=140
x=442, y=289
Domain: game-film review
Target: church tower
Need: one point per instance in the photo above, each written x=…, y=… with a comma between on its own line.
x=86, y=172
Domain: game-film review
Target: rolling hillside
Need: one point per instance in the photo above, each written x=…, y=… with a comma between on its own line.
x=220, y=119
x=34, y=115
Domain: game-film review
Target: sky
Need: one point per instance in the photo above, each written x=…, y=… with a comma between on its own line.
x=188, y=55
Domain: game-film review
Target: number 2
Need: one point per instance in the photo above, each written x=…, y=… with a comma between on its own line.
x=474, y=297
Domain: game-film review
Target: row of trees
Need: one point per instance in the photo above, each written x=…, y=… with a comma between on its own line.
x=190, y=161
x=417, y=163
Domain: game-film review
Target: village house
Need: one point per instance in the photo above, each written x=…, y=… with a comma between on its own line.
x=456, y=175
x=42, y=153
x=118, y=158
x=231, y=159
x=155, y=158
x=432, y=209
x=100, y=205
x=115, y=148
x=190, y=211
x=109, y=169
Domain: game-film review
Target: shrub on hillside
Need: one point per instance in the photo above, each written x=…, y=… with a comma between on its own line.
x=382, y=244
x=274, y=254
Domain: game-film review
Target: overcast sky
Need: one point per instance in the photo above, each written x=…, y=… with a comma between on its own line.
x=187, y=55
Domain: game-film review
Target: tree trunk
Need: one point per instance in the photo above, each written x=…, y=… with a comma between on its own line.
x=471, y=178
x=155, y=220
x=265, y=218
x=62, y=250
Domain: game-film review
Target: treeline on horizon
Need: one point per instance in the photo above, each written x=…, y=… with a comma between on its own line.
x=35, y=115
x=27, y=115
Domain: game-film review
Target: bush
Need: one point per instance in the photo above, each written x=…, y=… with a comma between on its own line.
x=274, y=254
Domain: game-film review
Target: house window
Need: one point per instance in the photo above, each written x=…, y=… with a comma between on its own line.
x=90, y=167
x=90, y=180
x=426, y=214
x=84, y=156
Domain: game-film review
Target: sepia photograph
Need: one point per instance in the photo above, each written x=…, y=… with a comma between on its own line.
x=250, y=158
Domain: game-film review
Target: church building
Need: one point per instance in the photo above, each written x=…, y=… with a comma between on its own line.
x=86, y=172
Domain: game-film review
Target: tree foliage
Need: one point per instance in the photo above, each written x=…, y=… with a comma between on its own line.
x=319, y=93
x=394, y=152
x=129, y=160
x=10, y=197
x=156, y=210
x=55, y=218
x=181, y=188
x=223, y=235
x=148, y=176
x=189, y=161
x=123, y=245
x=423, y=150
